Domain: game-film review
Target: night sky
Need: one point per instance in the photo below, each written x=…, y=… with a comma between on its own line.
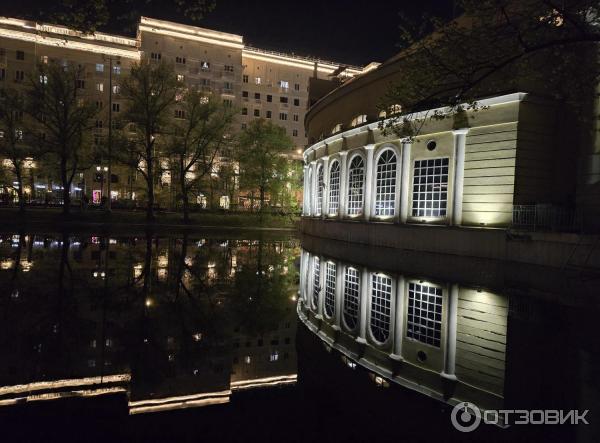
x=346, y=31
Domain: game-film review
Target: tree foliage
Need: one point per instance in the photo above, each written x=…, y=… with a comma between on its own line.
x=497, y=46
x=261, y=152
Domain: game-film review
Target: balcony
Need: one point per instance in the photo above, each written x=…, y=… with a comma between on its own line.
x=545, y=217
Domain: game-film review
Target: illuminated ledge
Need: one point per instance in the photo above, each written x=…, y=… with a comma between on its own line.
x=264, y=382
x=61, y=394
x=66, y=383
x=190, y=33
x=180, y=402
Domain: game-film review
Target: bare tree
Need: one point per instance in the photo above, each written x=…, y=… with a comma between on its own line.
x=199, y=133
x=64, y=118
x=150, y=90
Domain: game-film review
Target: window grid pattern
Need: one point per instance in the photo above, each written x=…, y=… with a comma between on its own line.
x=316, y=282
x=424, y=315
x=381, y=299
x=351, y=297
x=334, y=188
x=330, y=269
x=386, y=184
x=356, y=180
x=320, y=187
x=430, y=188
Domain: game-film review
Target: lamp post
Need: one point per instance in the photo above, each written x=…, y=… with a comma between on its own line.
x=102, y=170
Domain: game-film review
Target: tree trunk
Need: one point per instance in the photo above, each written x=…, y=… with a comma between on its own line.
x=65, y=191
x=184, y=192
x=150, y=183
x=20, y=193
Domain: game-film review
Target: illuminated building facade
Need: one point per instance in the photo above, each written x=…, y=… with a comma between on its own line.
x=261, y=84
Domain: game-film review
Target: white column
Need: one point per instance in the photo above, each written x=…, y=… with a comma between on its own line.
x=369, y=197
x=301, y=287
x=313, y=188
x=460, y=139
x=365, y=294
x=309, y=276
x=339, y=291
x=325, y=201
x=398, y=187
x=343, y=184
x=405, y=181
x=306, y=192
x=321, y=288
x=450, y=345
x=399, y=318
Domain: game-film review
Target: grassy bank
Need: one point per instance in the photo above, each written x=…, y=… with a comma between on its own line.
x=53, y=217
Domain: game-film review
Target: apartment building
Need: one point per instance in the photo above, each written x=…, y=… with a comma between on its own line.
x=258, y=83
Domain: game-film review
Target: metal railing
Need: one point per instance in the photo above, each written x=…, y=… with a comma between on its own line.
x=545, y=217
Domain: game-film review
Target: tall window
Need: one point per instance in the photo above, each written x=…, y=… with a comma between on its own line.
x=356, y=179
x=430, y=188
x=381, y=296
x=351, y=297
x=330, y=269
x=316, y=282
x=386, y=184
x=424, y=315
x=334, y=188
x=320, y=186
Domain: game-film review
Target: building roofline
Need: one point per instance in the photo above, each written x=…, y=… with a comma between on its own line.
x=485, y=102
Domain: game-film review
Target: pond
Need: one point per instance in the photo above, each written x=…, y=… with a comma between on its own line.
x=199, y=336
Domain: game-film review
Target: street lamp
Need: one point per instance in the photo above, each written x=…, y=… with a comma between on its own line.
x=102, y=170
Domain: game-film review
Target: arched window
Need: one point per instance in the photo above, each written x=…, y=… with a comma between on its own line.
x=381, y=299
x=356, y=181
x=320, y=186
x=336, y=128
x=386, y=184
x=330, y=269
x=351, y=297
x=316, y=282
x=334, y=188
x=359, y=120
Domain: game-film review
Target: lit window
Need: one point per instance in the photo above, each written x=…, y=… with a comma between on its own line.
x=117, y=70
x=430, y=188
x=99, y=67
x=116, y=89
x=248, y=359
x=316, y=282
x=284, y=84
x=359, y=120
x=330, y=269
x=356, y=178
x=100, y=87
x=44, y=59
x=257, y=80
x=386, y=184
x=334, y=188
x=336, y=128
x=274, y=356
x=320, y=186
x=381, y=296
x=180, y=77
x=351, y=297
x=205, y=66
x=44, y=79
x=424, y=314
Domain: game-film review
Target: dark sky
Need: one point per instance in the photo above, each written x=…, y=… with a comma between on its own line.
x=346, y=31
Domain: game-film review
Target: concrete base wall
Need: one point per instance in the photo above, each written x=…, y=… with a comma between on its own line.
x=545, y=249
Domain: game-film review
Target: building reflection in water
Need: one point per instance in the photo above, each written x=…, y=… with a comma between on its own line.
x=442, y=339
x=170, y=322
